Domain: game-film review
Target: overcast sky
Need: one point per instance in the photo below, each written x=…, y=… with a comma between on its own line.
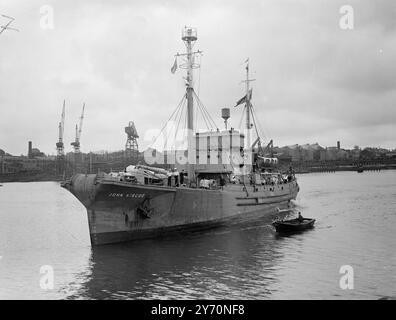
x=315, y=81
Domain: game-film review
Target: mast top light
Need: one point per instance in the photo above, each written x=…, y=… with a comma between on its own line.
x=189, y=34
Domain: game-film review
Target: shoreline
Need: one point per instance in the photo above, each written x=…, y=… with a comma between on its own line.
x=39, y=177
x=330, y=169
x=45, y=177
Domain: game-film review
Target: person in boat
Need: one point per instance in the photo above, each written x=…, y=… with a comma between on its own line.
x=300, y=217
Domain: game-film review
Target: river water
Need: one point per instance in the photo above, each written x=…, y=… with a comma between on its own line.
x=44, y=226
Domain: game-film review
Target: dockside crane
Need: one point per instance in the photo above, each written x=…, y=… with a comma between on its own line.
x=76, y=142
x=60, y=145
x=131, y=146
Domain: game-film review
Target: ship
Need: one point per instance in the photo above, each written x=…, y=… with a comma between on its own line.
x=225, y=176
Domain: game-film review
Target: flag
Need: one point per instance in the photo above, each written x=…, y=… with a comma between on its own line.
x=240, y=101
x=174, y=67
x=245, y=98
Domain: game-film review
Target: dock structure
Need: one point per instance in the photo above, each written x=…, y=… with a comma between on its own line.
x=131, y=146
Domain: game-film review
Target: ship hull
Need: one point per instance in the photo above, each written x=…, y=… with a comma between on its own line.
x=120, y=211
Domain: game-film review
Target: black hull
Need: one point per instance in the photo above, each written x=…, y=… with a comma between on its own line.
x=119, y=211
x=293, y=226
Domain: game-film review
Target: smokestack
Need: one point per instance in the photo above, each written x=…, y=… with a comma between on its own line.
x=338, y=145
x=30, y=149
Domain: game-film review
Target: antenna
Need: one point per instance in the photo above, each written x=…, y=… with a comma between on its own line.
x=7, y=25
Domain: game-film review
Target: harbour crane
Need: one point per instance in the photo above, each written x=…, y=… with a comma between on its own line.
x=76, y=142
x=7, y=25
x=131, y=146
x=59, y=144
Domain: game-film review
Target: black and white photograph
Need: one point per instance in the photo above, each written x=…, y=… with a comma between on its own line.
x=219, y=151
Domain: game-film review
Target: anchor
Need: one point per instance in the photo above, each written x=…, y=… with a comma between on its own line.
x=144, y=209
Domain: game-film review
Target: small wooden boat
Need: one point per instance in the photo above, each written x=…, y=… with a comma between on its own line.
x=293, y=225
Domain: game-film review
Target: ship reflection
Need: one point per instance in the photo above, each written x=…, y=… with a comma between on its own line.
x=235, y=262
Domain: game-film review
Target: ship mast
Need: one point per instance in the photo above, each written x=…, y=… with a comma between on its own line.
x=248, y=108
x=189, y=36
x=248, y=105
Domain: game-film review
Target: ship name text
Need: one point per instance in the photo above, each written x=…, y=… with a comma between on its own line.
x=126, y=195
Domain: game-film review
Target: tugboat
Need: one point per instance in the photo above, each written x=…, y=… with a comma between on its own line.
x=218, y=179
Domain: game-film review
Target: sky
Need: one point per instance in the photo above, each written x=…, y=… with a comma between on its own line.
x=315, y=80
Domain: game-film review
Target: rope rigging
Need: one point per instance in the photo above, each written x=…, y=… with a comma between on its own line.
x=254, y=121
x=176, y=119
x=205, y=113
x=170, y=118
x=178, y=115
x=256, y=124
x=260, y=128
x=243, y=113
